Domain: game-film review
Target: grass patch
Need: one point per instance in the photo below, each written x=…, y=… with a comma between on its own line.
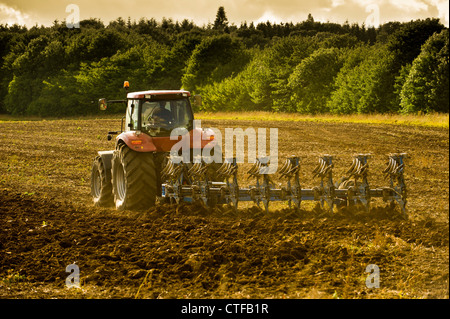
x=425, y=120
x=5, y=118
x=13, y=277
x=438, y=120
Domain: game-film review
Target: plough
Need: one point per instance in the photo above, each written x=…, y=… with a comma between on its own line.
x=191, y=182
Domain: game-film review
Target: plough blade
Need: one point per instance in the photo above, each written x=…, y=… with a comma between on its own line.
x=189, y=182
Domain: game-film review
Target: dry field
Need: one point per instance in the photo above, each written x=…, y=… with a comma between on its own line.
x=47, y=221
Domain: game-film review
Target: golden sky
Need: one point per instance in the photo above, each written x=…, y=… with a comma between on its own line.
x=370, y=12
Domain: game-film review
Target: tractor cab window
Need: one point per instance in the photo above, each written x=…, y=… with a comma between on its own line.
x=132, y=116
x=159, y=118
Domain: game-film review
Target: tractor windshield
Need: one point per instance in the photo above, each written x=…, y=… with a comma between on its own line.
x=159, y=118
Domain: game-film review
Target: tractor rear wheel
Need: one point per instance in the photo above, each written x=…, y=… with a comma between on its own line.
x=134, y=179
x=101, y=189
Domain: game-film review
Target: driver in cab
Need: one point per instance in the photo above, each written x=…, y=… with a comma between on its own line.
x=156, y=115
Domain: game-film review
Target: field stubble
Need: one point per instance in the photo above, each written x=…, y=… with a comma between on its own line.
x=48, y=221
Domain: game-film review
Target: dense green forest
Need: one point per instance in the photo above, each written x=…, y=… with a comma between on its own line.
x=308, y=67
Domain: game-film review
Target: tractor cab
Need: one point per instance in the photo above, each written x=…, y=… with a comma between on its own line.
x=157, y=113
x=151, y=116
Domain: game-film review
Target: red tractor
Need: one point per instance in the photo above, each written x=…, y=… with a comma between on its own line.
x=128, y=177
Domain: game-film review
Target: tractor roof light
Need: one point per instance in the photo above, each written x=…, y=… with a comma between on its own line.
x=126, y=84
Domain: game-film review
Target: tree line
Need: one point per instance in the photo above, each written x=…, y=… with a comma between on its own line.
x=308, y=67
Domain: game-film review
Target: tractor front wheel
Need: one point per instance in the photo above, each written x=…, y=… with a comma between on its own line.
x=134, y=179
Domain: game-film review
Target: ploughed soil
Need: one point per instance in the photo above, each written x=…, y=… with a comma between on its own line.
x=47, y=222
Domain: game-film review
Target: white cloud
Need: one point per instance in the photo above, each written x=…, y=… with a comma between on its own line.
x=337, y=3
x=10, y=16
x=442, y=6
x=410, y=5
x=269, y=16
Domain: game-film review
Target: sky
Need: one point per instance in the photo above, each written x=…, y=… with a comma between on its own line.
x=201, y=12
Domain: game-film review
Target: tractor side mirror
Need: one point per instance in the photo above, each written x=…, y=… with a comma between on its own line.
x=197, y=100
x=102, y=105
